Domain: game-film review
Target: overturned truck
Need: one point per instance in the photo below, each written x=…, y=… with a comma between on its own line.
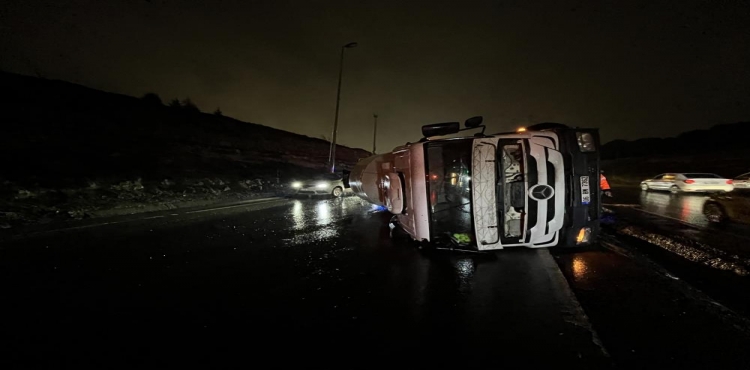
x=538, y=187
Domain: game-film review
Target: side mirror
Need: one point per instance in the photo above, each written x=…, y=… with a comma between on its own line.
x=440, y=129
x=474, y=122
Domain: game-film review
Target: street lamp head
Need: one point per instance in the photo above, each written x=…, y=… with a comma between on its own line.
x=351, y=45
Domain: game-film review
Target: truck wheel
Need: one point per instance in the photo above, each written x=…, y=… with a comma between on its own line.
x=337, y=192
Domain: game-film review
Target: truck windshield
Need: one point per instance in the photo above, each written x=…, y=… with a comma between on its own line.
x=449, y=189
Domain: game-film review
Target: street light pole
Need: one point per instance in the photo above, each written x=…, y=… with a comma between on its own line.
x=374, y=133
x=332, y=151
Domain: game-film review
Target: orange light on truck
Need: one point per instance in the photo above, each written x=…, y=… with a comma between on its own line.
x=584, y=235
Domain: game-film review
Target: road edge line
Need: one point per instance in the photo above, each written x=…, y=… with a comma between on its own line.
x=740, y=322
x=573, y=312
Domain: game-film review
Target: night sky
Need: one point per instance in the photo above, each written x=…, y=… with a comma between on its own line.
x=633, y=68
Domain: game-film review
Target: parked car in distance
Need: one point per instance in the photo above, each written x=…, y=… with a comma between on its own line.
x=742, y=181
x=734, y=207
x=689, y=182
x=323, y=184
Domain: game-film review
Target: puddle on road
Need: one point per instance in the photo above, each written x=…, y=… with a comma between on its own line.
x=465, y=268
x=316, y=221
x=314, y=236
x=579, y=268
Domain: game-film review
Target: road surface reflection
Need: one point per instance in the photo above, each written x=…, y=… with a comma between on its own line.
x=684, y=207
x=314, y=220
x=580, y=269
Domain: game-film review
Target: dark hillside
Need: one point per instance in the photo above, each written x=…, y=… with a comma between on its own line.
x=722, y=149
x=54, y=131
x=732, y=138
x=66, y=148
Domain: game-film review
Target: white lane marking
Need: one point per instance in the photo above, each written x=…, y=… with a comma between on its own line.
x=82, y=226
x=688, y=290
x=572, y=310
x=226, y=207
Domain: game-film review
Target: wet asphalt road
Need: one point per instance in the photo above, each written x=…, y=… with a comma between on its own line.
x=680, y=218
x=686, y=208
x=678, y=215
x=318, y=281
x=322, y=282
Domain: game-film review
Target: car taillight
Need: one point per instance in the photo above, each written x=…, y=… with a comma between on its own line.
x=689, y=181
x=730, y=182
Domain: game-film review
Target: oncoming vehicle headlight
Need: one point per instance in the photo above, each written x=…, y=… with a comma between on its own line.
x=586, y=142
x=296, y=185
x=584, y=235
x=321, y=185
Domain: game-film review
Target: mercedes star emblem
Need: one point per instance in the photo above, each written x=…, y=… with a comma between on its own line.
x=541, y=192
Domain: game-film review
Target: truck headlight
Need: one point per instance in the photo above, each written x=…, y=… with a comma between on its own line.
x=584, y=235
x=585, y=142
x=296, y=185
x=321, y=185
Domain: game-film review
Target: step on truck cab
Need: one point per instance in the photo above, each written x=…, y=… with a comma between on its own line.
x=534, y=188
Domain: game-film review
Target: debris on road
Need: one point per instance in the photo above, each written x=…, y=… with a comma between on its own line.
x=691, y=250
x=39, y=205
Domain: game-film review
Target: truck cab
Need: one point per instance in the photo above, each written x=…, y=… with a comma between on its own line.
x=536, y=188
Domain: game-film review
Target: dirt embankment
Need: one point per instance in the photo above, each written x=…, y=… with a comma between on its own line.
x=68, y=151
x=22, y=206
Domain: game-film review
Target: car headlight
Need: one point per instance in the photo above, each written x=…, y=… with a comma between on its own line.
x=585, y=142
x=296, y=185
x=321, y=185
x=584, y=235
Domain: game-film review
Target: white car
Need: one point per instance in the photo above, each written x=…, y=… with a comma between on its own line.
x=689, y=182
x=742, y=181
x=323, y=184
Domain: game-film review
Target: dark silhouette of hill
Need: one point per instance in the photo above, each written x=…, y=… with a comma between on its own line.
x=722, y=149
x=56, y=133
x=726, y=138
